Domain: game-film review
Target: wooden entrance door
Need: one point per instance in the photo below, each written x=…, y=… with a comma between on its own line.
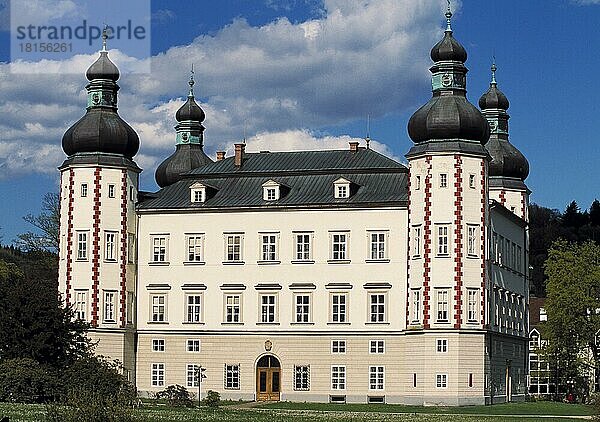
x=268, y=379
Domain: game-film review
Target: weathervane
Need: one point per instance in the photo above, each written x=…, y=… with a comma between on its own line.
x=494, y=68
x=191, y=82
x=448, y=16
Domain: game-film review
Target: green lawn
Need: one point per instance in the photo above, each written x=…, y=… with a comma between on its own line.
x=527, y=408
x=35, y=413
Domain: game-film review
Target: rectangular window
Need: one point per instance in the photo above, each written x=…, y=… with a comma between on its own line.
x=158, y=308
x=376, y=346
x=338, y=377
x=111, y=191
x=472, y=235
x=442, y=305
x=472, y=304
x=110, y=242
x=301, y=377
x=338, y=307
x=415, y=309
x=233, y=308
x=159, y=248
x=303, y=308
x=339, y=246
x=341, y=191
x=441, y=345
x=158, y=344
x=268, y=308
x=195, y=249
x=472, y=181
x=376, y=377
x=82, y=245
x=270, y=194
x=377, y=307
x=268, y=246
x=158, y=375
x=192, y=375
x=338, y=346
x=414, y=380
x=443, y=180
x=194, y=308
x=131, y=193
x=81, y=304
x=470, y=380
x=378, y=245
x=232, y=377
x=441, y=380
x=130, y=307
x=130, y=248
x=442, y=240
x=416, y=242
x=417, y=182
x=109, y=306
x=193, y=345
x=233, y=247
x=84, y=190
x=303, y=247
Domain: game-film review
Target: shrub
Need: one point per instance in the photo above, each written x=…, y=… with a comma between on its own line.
x=212, y=399
x=25, y=380
x=176, y=395
x=89, y=407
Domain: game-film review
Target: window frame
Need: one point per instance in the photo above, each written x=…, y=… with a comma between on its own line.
x=342, y=254
x=194, y=309
x=82, y=252
x=442, y=231
x=111, y=190
x=157, y=380
x=472, y=305
x=233, y=306
x=192, y=342
x=191, y=378
x=376, y=377
x=269, y=247
x=441, y=345
x=83, y=190
x=109, y=307
x=472, y=240
x=158, y=345
x=304, y=308
x=415, y=306
x=417, y=241
x=377, y=343
x=194, y=244
x=265, y=316
x=443, y=177
x=338, y=346
x=237, y=248
x=377, y=317
x=110, y=248
x=81, y=305
x=444, y=308
x=441, y=380
x=231, y=378
x=306, y=253
x=338, y=377
x=332, y=305
x=301, y=377
x=159, y=253
x=381, y=241
x=158, y=309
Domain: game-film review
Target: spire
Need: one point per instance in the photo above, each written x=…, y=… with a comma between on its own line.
x=191, y=83
x=494, y=68
x=368, y=137
x=104, y=37
x=448, y=18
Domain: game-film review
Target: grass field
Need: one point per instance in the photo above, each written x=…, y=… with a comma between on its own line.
x=303, y=412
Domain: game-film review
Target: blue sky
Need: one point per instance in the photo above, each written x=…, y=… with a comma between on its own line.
x=304, y=74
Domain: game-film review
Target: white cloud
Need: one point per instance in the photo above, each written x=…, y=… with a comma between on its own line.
x=361, y=57
x=586, y=2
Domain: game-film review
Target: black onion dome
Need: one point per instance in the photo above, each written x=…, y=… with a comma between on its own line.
x=190, y=111
x=185, y=158
x=507, y=161
x=448, y=49
x=448, y=117
x=101, y=130
x=493, y=98
x=103, y=68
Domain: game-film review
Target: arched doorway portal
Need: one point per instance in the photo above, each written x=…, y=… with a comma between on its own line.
x=268, y=378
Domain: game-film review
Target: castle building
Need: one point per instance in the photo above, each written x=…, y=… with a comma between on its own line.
x=332, y=276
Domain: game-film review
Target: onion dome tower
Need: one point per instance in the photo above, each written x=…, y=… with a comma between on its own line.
x=448, y=204
x=189, y=151
x=99, y=185
x=508, y=168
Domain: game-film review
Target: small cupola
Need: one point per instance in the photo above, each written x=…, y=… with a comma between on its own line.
x=189, y=146
x=101, y=130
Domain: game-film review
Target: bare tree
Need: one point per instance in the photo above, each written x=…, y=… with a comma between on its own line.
x=46, y=237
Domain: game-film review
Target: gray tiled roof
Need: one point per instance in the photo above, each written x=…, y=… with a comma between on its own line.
x=308, y=178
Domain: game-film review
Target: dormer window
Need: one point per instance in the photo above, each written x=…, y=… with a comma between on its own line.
x=271, y=190
x=341, y=188
x=197, y=193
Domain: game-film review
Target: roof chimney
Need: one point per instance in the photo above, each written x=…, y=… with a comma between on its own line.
x=353, y=146
x=239, y=154
x=220, y=155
